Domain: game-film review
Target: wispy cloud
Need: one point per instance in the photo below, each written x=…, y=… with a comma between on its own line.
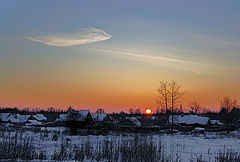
x=144, y=56
x=81, y=36
x=196, y=67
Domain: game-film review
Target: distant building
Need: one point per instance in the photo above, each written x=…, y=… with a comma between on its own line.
x=189, y=120
x=4, y=116
x=40, y=117
x=16, y=118
x=134, y=121
x=77, y=119
x=103, y=122
x=216, y=122
x=62, y=118
x=100, y=117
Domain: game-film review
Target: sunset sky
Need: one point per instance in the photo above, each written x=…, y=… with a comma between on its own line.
x=112, y=54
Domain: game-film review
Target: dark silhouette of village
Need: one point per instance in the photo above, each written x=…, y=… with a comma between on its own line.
x=83, y=122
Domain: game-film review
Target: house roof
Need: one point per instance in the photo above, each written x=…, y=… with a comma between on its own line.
x=216, y=122
x=52, y=116
x=135, y=121
x=17, y=118
x=188, y=119
x=40, y=117
x=73, y=115
x=99, y=117
x=82, y=115
x=33, y=122
x=3, y=116
x=62, y=117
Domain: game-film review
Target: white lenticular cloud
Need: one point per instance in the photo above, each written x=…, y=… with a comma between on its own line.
x=82, y=36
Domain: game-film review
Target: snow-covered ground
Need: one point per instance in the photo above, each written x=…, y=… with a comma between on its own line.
x=189, y=146
x=186, y=147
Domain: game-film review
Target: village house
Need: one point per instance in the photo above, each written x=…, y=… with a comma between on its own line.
x=189, y=120
x=22, y=119
x=134, y=121
x=216, y=122
x=40, y=117
x=3, y=117
x=76, y=119
x=102, y=120
x=100, y=117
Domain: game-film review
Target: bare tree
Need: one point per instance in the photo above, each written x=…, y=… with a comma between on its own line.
x=175, y=93
x=131, y=111
x=226, y=105
x=181, y=109
x=51, y=109
x=194, y=107
x=206, y=110
x=163, y=93
x=100, y=111
x=137, y=111
x=160, y=110
x=70, y=109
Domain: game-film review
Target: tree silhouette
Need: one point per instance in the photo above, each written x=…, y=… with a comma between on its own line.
x=163, y=95
x=194, y=107
x=131, y=111
x=100, y=111
x=137, y=111
x=169, y=93
x=226, y=105
x=175, y=94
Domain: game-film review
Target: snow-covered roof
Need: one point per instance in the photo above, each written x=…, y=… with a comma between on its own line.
x=216, y=122
x=199, y=129
x=78, y=115
x=22, y=118
x=62, y=117
x=73, y=115
x=135, y=121
x=82, y=115
x=188, y=119
x=17, y=118
x=33, y=122
x=3, y=116
x=99, y=117
x=40, y=117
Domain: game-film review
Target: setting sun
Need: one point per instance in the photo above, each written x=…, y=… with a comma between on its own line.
x=148, y=111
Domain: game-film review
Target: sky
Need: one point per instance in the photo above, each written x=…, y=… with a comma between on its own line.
x=112, y=54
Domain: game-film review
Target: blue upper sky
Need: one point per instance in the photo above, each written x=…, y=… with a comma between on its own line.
x=158, y=40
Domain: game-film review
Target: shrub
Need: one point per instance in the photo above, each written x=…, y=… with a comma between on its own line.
x=227, y=155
